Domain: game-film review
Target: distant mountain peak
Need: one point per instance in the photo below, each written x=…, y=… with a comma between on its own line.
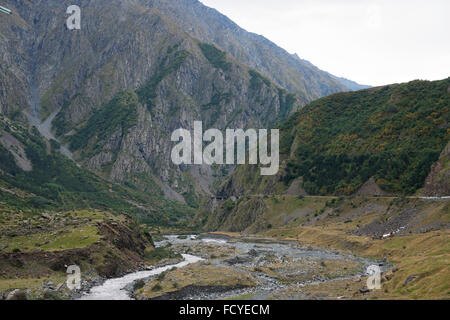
x=351, y=85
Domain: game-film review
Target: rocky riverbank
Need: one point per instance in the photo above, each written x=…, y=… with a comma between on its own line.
x=250, y=268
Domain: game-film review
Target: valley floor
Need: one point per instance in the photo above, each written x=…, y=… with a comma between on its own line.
x=410, y=233
x=248, y=268
x=305, y=249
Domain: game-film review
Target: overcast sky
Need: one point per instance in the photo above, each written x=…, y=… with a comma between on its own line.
x=372, y=42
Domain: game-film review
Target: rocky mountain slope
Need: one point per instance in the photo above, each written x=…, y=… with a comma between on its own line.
x=158, y=66
x=36, y=178
x=288, y=71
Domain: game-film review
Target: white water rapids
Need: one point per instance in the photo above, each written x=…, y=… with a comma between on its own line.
x=114, y=289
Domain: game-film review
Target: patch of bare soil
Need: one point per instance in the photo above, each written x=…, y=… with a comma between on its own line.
x=370, y=188
x=296, y=188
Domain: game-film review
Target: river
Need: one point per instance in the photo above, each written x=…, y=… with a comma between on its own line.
x=115, y=289
x=246, y=255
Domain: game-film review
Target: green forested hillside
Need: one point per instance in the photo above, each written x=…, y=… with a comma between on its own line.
x=393, y=133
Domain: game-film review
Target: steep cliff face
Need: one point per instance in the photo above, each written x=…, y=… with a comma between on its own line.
x=136, y=71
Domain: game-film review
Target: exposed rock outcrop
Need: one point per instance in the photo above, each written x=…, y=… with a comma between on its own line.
x=437, y=183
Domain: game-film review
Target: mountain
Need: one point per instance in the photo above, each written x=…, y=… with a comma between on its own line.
x=377, y=141
x=254, y=50
x=352, y=85
x=112, y=92
x=349, y=84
